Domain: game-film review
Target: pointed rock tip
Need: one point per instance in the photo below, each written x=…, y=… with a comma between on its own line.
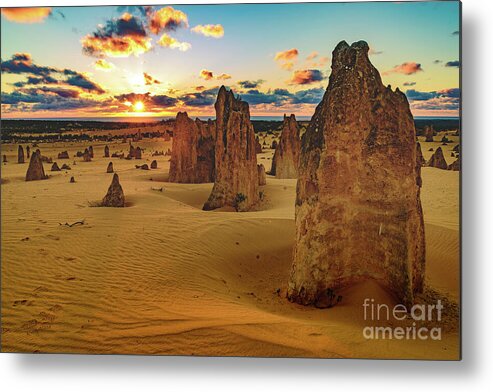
x=341, y=45
x=361, y=45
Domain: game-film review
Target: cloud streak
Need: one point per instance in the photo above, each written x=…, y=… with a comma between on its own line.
x=214, y=31
x=409, y=68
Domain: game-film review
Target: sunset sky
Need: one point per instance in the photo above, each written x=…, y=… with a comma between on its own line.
x=156, y=61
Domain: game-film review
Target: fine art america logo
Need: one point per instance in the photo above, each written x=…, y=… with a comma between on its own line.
x=420, y=314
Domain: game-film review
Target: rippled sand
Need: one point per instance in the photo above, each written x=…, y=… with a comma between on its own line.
x=164, y=277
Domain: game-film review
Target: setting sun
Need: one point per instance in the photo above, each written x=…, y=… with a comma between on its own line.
x=138, y=106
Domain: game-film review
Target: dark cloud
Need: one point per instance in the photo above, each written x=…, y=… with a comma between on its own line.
x=22, y=63
x=202, y=98
x=453, y=64
x=313, y=95
x=448, y=99
x=437, y=61
x=35, y=80
x=280, y=97
x=84, y=83
x=126, y=25
x=456, y=32
x=61, y=92
x=251, y=83
x=119, y=37
x=409, y=84
x=150, y=101
x=414, y=95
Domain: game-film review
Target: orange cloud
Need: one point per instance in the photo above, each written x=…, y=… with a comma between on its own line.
x=306, y=76
x=103, y=65
x=115, y=46
x=26, y=15
x=291, y=54
x=287, y=58
x=167, y=19
x=200, y=88
x=206, y=75
x=312, y=55
x=405, y=68
x=223, y=76
x=119, y=37
x=170, y=42
x=149, y=80
x=215, y=31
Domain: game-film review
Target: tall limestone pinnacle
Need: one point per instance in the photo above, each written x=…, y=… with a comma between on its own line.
x=236, y=178
x=287, y=155
x=358, y=209
x=192, y=156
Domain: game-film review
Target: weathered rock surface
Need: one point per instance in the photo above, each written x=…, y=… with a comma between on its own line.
x=35, y=171
x=55, y=167
x=429, y=133
x=455, y=165
x=20, y=154
x=114, y=197
x=91, y=152
x=106, y=152
x=358, y=209
x=109, y=169
x=63, y=155
x=273, y=146
x=420, y=160
x=4, y=158
x=154, y=164
x=192, y=155
x=72, y=180
x=86, y=156
x=287, y=155
x=258, y=146
x=236, y=178
x=438, y=160
x=28, y=151
x=262, y=178
x=138, y=153
x=66, y=167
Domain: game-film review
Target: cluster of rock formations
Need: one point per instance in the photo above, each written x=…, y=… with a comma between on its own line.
x=63, y=155
x=236, y=173
x=114, y=197
x=358, y=208
x=192, y=155
x=287, y=155
x=35, y=171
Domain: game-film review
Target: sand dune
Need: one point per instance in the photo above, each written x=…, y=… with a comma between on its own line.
x=164, y=277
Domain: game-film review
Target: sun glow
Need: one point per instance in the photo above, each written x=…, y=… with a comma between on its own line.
x=138, y=106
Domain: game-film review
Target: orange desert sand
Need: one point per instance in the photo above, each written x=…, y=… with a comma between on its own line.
x=161, y=276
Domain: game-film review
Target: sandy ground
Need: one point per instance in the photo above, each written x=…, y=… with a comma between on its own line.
x=164, y=277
